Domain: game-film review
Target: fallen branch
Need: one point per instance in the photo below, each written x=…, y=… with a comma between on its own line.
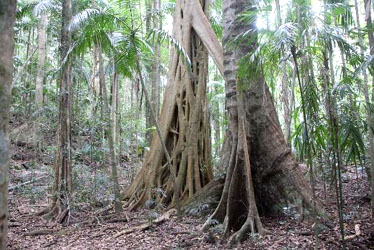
x=357, y=233
x=93, y=217
x=115, y=220
x=147, y=225
x=41, y=232
x=50, y=243
x=21, y=71
x=108, y=228
x=14, y=225
x=180, y=232
x=107, y=219
x=360, y=245
x=10, y=189
x=305, y=233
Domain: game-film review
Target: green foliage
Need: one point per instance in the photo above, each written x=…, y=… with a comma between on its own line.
x=92, y=186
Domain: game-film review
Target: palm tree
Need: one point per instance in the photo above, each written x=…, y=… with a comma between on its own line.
x=96, y=30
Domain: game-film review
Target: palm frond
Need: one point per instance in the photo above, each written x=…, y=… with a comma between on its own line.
x=24, y=10
x=368, y=61
x=44, y=6
x=82, y=18
x=162, y=35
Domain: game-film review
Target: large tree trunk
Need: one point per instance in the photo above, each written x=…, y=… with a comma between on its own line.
x=183, y=120
x=63, y=179
x=371, y=44
x=7, y=18
x=254, y=143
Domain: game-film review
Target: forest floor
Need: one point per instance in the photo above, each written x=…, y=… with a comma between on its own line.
x=100, y=228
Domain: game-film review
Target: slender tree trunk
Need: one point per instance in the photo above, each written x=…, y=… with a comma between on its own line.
x=157, y=66
x=28, y=45
x=148, y=116
x=156, y=74
x=29, y=78
x=217, y=130
x=109, y=132
x=115, y=115
x=60, y=207
x=183, y=120
x=215, y=115
x=285, y=89
x=95, y=82
x=148, y=14
x=254, y=144
x=42, y=33
x=329, y=80
x=7, y=19
x=335, y=141
x=97, y=90
x=154, y=22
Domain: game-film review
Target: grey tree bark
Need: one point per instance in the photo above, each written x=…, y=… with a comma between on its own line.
x=254, y=145
x=7, y=19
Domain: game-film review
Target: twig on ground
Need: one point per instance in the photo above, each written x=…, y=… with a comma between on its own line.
x=41, y=232
x=10, y=189
x=147, y=225
x=51, y=243
x=357, y=233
